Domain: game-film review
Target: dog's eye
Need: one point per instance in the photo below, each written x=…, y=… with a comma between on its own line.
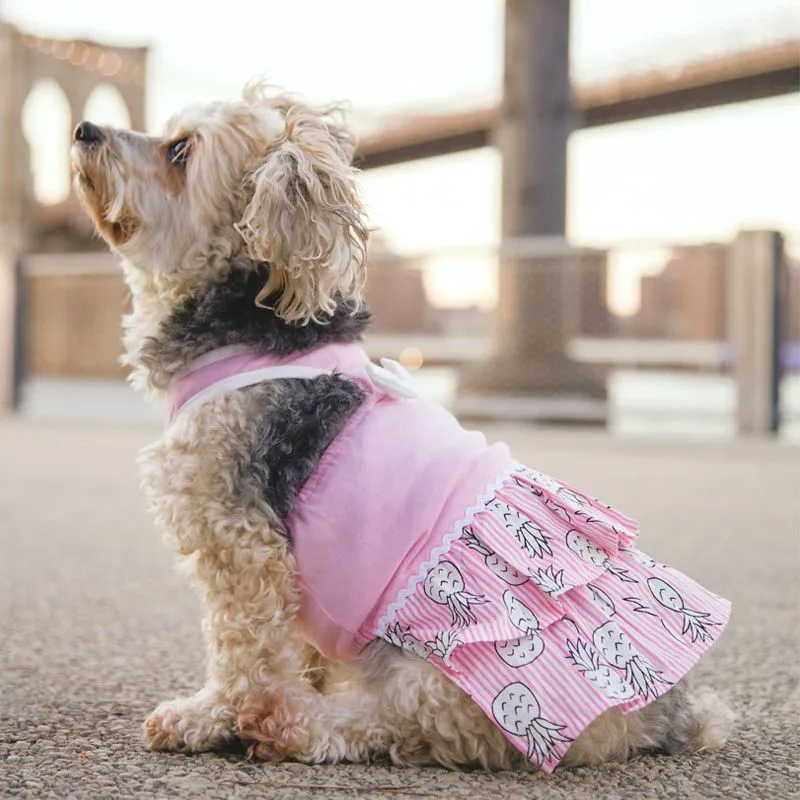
x=178, y=152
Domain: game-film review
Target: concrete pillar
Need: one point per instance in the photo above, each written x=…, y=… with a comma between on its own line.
x=542, y=280
x=756, y=275
x=537, y=118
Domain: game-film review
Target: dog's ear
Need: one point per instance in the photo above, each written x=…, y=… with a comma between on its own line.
x=305, y=217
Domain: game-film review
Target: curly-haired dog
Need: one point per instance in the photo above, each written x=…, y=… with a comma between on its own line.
x=377, y=581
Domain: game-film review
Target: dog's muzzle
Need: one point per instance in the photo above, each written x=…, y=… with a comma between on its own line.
x=87, y=134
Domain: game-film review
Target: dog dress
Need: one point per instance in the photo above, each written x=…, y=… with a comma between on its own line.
x=527, y=593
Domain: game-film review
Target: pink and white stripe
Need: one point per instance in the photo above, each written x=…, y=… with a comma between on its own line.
x=606, y=639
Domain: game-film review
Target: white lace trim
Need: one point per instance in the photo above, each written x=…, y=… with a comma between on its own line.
x=436, y=554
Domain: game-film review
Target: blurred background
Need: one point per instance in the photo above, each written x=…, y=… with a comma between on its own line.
x=586, y=212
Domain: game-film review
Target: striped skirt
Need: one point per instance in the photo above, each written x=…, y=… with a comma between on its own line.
x=541, y=608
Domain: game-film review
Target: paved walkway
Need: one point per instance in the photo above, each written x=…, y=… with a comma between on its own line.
x=96, y=628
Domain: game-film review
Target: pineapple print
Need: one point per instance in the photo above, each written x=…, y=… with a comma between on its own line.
x=497, y=565
x=586, y=550
x=603, y=678
x=531, y=539
x=695, y=623
x=519, y=615
x=602, y=600
x=550, y=581
x=443, y=644
x=402, y=638
x=639, y=606
x=571, y=498
x=521, y=651
x=517, y=711
x=557, y=510
x=539, y=478
x=618, y=650
x=639, y=557
x=524, y=649
x=600, y=520
x=445, y=585
x=589, y=552
x=535, y=490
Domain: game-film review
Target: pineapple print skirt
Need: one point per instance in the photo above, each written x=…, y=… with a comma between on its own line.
x=541, y=608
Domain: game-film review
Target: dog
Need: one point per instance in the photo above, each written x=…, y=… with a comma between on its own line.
x=347, y=616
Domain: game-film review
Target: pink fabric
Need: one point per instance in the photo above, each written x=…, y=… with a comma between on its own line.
x=525, y=592
x=544, y=612
x=385, y=493
x=387, y=490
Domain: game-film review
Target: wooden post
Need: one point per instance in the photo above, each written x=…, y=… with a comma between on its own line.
x=755, y=276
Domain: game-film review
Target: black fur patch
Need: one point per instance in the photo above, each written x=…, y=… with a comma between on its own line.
x=291, y=422
x=226, y=313
x=301, y=418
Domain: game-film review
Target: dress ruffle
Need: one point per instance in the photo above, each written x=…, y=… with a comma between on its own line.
x=546, y=614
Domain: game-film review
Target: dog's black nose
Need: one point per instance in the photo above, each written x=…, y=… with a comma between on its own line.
x=87, y=133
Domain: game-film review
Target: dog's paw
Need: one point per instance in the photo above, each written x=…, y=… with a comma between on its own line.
x=163, y=729
x=713, y=721
x=189, y=724
x=270, y=727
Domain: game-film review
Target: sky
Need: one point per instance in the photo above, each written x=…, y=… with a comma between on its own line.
x=697, y=176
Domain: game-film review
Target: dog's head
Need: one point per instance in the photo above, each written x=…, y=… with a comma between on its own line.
x=264, y=177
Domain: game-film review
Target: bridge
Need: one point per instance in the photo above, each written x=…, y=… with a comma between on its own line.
x=541, y=287
x=756, y=72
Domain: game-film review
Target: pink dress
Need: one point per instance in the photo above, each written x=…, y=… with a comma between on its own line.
x=527, y=593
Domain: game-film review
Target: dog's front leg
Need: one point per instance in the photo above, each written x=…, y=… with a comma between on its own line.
x=202, y=721
x=258, y=671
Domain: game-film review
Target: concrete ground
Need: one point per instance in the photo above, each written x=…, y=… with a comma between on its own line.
x=96, y=628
